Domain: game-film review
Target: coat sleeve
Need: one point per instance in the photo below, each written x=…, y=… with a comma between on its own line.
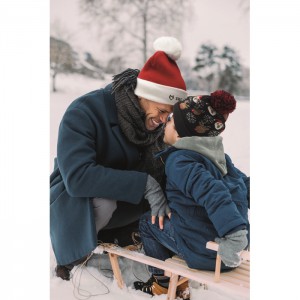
x=82, y=176
x=199, y=185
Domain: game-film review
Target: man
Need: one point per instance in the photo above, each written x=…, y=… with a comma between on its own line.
x=104, y=169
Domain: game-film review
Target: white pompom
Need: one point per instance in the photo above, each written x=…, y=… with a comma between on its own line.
x=170, y=45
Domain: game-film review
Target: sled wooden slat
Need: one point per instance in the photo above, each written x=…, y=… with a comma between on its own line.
x=236, y=282
x=245, y=267
x=241, y=271
x=116, y=269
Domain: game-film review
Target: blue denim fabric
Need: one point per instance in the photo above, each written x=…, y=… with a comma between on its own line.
x=158, y=243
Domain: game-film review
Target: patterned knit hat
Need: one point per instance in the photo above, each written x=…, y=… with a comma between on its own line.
x=160, y=79
x=203, y=115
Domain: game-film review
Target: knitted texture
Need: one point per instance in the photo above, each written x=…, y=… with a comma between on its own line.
x=160, y=79
x=203, y=115
x=132, y=123
x=223, y=102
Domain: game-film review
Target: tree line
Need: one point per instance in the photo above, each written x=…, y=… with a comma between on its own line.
x=125, y=28
x=213, y=68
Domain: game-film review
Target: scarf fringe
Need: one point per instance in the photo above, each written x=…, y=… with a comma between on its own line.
x=127, y=78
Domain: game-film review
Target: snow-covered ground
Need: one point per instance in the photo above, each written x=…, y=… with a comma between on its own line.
x=90, y=282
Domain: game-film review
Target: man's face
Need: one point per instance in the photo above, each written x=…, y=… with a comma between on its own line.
x=155, y=113
x=171, y=135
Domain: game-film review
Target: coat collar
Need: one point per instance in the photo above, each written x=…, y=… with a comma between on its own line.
x=112, y=114
x=163, y=154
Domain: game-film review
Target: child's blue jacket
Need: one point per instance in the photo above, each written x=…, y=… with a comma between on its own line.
x=208, y=198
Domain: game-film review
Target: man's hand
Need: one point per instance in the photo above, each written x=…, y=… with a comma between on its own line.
x=157, y=200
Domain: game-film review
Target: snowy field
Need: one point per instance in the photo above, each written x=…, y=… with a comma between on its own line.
x=95, y=281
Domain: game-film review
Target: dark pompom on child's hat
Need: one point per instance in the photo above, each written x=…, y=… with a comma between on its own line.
x=203, y=115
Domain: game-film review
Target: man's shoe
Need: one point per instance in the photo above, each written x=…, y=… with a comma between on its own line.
x=63, y=271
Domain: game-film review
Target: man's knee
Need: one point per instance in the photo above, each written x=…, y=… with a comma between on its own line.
x=105, y=204
x=103, y=211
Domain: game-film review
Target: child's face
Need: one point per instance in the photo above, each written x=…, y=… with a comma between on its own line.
x=171, y=135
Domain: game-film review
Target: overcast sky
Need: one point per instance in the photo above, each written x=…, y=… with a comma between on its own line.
x=217, y=21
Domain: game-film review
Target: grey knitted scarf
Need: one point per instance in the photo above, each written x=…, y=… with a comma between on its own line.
x=132, y=123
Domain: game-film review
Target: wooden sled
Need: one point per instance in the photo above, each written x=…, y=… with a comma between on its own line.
x=235, y=282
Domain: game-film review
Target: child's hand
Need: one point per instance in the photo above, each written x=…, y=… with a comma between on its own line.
x=230, y=246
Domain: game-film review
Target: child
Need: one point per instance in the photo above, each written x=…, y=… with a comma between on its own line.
x=207, y=195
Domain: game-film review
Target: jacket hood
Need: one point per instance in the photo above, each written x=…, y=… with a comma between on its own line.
x=210, y=147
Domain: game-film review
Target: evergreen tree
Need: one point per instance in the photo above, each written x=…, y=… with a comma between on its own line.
x=231, y=70
x=218, y=69
x=207, y=64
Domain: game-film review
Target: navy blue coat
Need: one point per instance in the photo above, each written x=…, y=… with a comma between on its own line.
x=204, y=203
x=94, y=159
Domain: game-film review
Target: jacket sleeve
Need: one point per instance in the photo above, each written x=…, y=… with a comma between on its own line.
x=245, y=178
x=82, y=176
x=208, y=192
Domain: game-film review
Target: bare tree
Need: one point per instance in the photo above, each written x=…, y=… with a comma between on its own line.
x=62, y=56
x=61, y=59
x=131, y=24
